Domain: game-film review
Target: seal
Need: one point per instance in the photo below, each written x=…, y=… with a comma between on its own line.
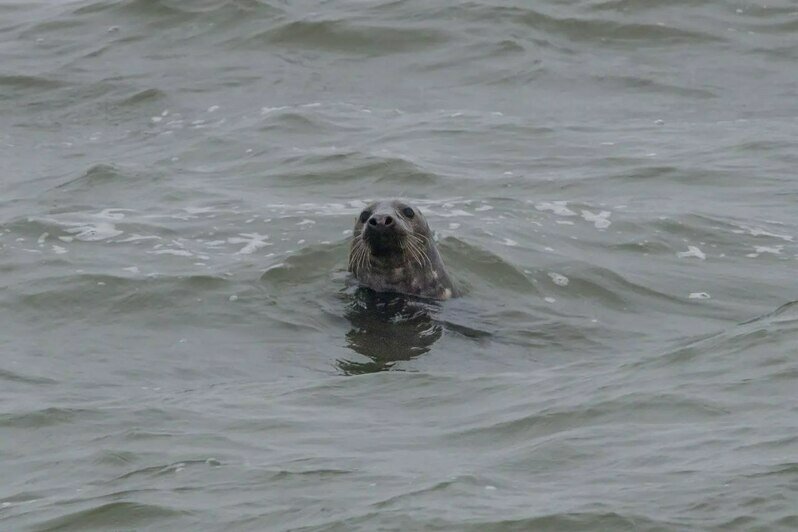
x=392, y=251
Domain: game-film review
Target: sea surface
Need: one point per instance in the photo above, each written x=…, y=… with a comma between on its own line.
x=613, y=185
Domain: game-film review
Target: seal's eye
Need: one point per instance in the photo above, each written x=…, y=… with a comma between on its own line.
x=364, y=216
x=408, y=212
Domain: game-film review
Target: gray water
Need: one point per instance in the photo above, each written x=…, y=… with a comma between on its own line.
x=612, y=183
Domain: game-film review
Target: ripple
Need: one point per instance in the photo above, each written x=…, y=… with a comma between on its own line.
x=26, y=379
x=46, y=417
x=28, y=82
x=344, y=36
x=110, y=515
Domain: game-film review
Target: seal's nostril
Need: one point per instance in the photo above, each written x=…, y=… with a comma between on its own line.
x=388, y=220
x=372, y=221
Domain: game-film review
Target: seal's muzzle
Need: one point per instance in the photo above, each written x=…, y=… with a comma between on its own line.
x=382, y=234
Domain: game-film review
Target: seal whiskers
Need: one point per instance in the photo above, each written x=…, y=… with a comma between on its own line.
x=392, y=251
x=420, y=243
x=359, y=259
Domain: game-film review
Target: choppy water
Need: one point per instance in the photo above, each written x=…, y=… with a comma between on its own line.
x=613, y=183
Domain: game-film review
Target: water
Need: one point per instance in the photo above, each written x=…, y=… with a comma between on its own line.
x=612, y=184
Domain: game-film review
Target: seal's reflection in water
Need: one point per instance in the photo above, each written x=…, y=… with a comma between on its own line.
x=388, y=328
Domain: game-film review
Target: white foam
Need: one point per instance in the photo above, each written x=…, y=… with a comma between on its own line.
x=58, y=250
x=557, y=207
x=274, y=267
x=267, y=110
x=758, y=231
x=599, y=220
x=111, y=214
x=252, y=242
x=95, y=232
x=484, y=208
x=450, y=214
x=176, y=252
x=758, y=250
x=699, y=295
x=136, y=237
x=549, y=299
x=200, y=210
x=692, y=251
x=132, y=269
x=42, y=238
x=559, y=279
x=509, y=242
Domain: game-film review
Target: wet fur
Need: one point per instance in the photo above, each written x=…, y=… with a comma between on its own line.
x=403, y=260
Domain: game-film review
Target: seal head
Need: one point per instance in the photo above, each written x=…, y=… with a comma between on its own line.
x=392, y=251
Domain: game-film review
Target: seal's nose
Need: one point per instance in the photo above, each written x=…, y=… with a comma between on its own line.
x=380, y=221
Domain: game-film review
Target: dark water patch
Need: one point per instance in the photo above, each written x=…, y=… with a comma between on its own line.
x=470, y=262
x=609, y=31
x=112, y=515
x=343, y=36
x=152, y=472
x=557, y=522
x=311, y=263
x=57, y=26
x=752, y=347
x=105, y=175
x=13, y=87
x=22, y=498
x=152, y=8
x=389, y=328
x=46, y=417
x=653, y=86
x=200, y=10
x=360, y=167
x=641, y=6
x=301, y=121
x=459, y=483
x=115, y=457
x=718, y=231
x=14, y=377
x=580, y=28
x=145, y=96
x=584, y=415
x=309, y=475
x=430, y=518
x=775, y=146
x=105, y=298
x=610, y=289
x=546, y=335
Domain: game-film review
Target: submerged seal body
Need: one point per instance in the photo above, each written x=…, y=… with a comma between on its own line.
x=392, y=251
